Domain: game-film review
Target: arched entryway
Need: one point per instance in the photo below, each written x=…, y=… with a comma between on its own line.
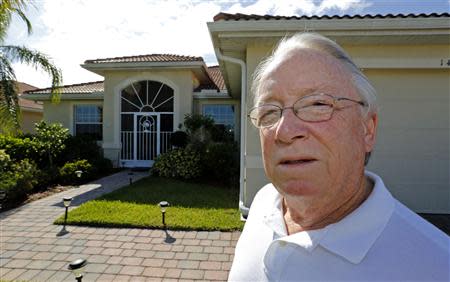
x=146, y=122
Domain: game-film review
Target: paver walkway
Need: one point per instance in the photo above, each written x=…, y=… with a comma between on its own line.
x=32, y=249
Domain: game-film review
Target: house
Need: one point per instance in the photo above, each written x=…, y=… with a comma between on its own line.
x=143, y=98
x=31, y=111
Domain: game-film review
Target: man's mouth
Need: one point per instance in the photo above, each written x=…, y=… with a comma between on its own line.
x=293, y=162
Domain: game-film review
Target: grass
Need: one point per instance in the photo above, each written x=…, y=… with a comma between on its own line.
x=193, y=206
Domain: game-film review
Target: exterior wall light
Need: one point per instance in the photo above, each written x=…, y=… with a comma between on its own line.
x=77, y=268
x=163, y=205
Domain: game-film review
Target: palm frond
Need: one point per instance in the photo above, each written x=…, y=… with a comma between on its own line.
x=24, y=18
x=37, y=60
x=10, y=7
x=8, y=125
x=9, y=98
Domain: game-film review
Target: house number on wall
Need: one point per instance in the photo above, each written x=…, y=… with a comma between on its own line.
x=445, y=62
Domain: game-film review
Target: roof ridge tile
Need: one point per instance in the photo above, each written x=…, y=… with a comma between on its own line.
x=240, y=16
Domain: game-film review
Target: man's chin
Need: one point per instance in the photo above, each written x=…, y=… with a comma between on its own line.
x=297, y=188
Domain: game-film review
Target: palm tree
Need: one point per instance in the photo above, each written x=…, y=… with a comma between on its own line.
x=9, y=101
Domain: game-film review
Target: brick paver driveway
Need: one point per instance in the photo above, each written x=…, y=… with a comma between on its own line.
x=33, y=249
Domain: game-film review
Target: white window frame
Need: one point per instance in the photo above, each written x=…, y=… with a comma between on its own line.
x=76, y=122
x=233, y=119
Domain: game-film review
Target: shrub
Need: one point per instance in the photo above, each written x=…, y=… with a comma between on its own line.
x=51, y=140
x=78, y=148
x=67, y=172
x=16, y=178
x=183, y=163
x=19, y=148
x=179, y=139
x=85, y=147
x=101, y=166
x=198, y=128
x=221, y=162
x=194, y=122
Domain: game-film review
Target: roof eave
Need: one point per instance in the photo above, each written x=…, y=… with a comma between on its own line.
x=346, y=25
x=197, y=67
x=100, y=68
x=66, y=96
x=32, y=110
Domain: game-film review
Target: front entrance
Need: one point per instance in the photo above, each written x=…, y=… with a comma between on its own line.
x=147, y=143
x=146, y=122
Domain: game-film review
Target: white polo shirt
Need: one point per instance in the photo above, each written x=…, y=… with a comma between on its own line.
x=381, y=240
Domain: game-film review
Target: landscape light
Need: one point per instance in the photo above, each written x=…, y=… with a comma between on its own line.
x=130, y=174
x=163, y=205
x=66, y=202
x=77, y=268
x=79, y=173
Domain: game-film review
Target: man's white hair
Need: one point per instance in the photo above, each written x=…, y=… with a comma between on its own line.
x=317, y=42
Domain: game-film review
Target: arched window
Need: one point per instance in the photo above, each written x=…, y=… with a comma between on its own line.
x=146, y=121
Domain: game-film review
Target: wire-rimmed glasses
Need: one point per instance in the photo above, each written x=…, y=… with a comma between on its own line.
x=312, y=108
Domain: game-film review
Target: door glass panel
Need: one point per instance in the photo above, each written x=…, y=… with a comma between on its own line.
x=146, y=97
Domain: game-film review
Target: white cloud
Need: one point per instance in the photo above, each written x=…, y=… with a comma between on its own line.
x=76, y=30
x=299, y=7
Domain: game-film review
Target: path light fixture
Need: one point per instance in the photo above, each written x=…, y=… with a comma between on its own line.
x=2, y=197
x=130, y=174
x=66, y=202
x=163, y=205
x=79, y=173
x=77, y=268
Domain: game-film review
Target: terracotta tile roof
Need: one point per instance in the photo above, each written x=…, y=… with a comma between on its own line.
x=146, y=58
x=80, y=88
x=24, y=103
x=245, y=17
x=216, y=75
x=22, y=87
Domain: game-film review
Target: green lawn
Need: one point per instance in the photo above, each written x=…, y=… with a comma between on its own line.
x=193, y=207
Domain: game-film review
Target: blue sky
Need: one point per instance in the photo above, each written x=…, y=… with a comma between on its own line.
x=73, y=31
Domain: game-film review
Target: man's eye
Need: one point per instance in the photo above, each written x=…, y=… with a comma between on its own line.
x=268, y=113
x=320, y=103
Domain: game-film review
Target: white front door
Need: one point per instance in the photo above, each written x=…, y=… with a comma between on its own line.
x=146, y=138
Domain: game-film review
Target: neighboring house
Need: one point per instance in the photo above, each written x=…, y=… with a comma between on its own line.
x=144, y=98
x=31, y=111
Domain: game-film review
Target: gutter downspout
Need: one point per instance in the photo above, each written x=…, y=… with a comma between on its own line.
x=242, y=180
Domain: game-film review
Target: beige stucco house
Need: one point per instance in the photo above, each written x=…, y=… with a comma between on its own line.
x=144, y=98
x=407, y=58
x=31, y=112
x=140, y=103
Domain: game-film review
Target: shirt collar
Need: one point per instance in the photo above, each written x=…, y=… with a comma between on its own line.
x=352, y=236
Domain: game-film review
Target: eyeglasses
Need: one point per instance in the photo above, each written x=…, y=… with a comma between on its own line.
x=316, y=107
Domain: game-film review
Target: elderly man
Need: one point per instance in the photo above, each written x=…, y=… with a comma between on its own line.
x=324, y=217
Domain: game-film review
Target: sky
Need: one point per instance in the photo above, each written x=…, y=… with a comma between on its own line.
x=72, y=31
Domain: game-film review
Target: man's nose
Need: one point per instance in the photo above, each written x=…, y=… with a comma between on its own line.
x=290, y=127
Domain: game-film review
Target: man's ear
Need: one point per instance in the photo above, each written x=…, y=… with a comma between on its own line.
x=370, y=131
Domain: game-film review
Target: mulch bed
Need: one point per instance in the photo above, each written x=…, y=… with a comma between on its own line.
x=50, y=191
